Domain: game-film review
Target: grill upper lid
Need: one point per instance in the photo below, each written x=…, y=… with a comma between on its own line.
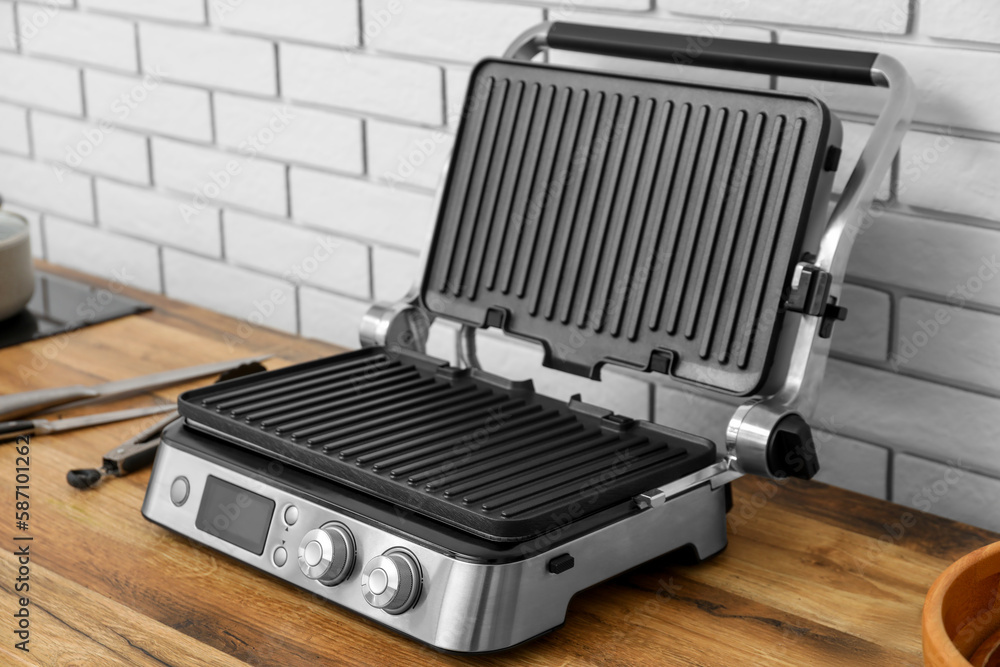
x=632, y=221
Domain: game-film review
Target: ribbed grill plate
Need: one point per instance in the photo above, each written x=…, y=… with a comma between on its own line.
x=469, y=449
x=611, y=217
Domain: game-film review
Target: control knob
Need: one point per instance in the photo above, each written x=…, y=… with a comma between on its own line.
x=391, y=582
x=327, y=554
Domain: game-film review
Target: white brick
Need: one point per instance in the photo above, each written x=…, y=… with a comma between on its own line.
x=149, y=105
x=360, y=208
x=456, y=83
x=34, y=219
x=445, y=29
x=190, y=11
x=910, y=415
x=36, y=83
x=865, y=333
x=404, y=89
x=855, y=138
x=946, y=80
x=698, y=29
x=852, y=464
x=331, y=318
x=320, y=21
x=879, y=16
x=90, y=148
x=296, y=254
x=14, y=129
x=8, y=27
x=950, y=174
x=899, y=250
x=949, y=342
x=86, y=38
x=102, y=254
x=228, y=62
x=220, y=177
x=306, y=135
x=566, y=11
x=404, y=154
x=256, y=299
x=157, y=217
x=972, y=20
x=39, y=186
x=516, y=360
x=395, y=273
x=946, y=490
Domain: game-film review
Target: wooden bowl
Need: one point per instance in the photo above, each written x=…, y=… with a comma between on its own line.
x=961, y=620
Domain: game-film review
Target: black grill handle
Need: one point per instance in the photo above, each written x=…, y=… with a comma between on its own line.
x=805, y=62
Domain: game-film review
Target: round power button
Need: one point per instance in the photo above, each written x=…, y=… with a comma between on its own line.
x=179, y=490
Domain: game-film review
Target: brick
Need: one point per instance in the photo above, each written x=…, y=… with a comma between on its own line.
x=886, y=17
x=445, y=29
x=297, y=255
x=14, y=129
x=865, y=333
x=407, y=90
x=566, y=11
x=40, y=84
x=258, y=300
x=456, y=83
x=40, y=186
x=214, y=177
x=102, y=254
x=188, y=11
x=392, y=216
x=320, y=21
x=34, y=219
x=306, y=135
x=404, y=154
x=899, y=249
x=852, y=464
x=952, y=174
x=331, y=318
x=943, y=341
x=970, y=20
x=227, y=62
x=395, y=273
x=855, y=138
x=8, y=27
x=91, y=148
x=910, y=415
x=516, y=360
x=150, y=105
x=157, y=217
x=442, y=339
x=86, y=38
x=945, y=80
x=700, y=31
x=946, y=490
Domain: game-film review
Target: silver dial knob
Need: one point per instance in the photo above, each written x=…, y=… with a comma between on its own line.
x=391, y=582
x=327, y=554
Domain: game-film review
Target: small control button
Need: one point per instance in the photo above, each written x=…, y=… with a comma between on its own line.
x=561, y=563
x=179, y=490
x=280, y=556
x=291, y=515
x=313, y=553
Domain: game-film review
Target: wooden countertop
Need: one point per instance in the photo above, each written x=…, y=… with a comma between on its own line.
x=813, y=575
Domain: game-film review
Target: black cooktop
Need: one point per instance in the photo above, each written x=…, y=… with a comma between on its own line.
x=60, y=305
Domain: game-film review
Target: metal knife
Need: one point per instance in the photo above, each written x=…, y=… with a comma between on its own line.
x=12, y=430
x=29, y=402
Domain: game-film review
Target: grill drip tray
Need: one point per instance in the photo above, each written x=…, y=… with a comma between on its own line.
x=467, y=448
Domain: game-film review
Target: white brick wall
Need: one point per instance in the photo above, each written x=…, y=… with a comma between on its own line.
x=338, y=117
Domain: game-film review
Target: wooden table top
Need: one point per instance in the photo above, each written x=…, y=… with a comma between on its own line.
x=813, y=575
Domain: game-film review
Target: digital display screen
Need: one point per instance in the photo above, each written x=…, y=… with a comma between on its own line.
x=235, y=515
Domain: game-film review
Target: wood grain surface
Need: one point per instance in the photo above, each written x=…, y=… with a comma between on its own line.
x=813, y=575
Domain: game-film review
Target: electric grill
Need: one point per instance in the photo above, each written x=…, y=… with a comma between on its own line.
x=667, y=227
